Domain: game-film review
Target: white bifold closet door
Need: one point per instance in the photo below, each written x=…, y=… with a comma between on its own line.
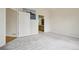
x=24, y=24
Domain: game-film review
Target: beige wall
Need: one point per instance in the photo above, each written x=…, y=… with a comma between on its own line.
x=65, y=21
x=11, y=22
x=2, y=27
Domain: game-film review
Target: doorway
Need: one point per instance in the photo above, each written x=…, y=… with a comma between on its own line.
x=41, y=23
x=11, y=24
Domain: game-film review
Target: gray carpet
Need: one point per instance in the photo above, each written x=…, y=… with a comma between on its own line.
x=43, y=41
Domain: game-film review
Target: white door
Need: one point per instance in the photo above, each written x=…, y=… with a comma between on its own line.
x=24, y=24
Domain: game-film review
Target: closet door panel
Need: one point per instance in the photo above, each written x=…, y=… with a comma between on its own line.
x=24, y=24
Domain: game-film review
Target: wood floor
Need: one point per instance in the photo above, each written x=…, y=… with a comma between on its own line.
x=9, y=38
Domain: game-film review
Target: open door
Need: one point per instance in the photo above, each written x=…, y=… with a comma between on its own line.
x=41, y=23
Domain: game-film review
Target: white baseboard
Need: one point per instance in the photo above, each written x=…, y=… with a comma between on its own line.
x=67, y=34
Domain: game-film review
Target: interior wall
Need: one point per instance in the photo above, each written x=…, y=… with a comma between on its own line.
x=11, y=22
x=2, y=26
x=65, y=21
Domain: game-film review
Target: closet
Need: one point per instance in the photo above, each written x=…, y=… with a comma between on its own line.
x=24, y=24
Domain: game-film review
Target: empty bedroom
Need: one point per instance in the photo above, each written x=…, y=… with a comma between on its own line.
x=39, y=29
